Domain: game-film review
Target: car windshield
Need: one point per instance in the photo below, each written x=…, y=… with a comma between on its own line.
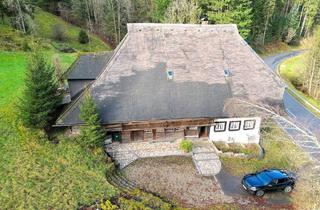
x=264, y=178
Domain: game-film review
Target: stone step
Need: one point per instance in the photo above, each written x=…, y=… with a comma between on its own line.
x=121, y=182
x=205, y=156
x=125, y=162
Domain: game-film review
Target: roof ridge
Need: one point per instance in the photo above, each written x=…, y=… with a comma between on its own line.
x=133, y=27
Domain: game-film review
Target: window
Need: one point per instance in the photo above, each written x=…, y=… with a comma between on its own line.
x=220, y=126
x=170, y=74
x=282, y=181
x=249, y=124
x=226, y=72
x=234, y=125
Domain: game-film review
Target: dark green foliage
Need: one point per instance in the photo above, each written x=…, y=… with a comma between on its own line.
x=230, y=11
x=83, y=37
x=40, y=95
x=160, y=10
x=91, y=134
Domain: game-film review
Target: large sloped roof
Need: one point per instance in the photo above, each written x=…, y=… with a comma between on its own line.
x=134, y=84
x=89, y=66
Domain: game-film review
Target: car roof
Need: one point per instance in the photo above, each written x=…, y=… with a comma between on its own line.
x=275, y=173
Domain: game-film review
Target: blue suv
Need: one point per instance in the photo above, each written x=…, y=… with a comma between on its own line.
x=269, y=180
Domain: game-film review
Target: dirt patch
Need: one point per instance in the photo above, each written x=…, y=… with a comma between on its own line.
x=176, y=178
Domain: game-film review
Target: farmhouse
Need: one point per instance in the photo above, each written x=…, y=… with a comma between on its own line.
x=173, y=80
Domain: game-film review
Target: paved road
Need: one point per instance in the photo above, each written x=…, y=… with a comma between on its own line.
x=301, y=116
x=295, y=110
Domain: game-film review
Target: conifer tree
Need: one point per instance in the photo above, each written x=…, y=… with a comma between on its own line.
x=91, y=134
x=83, y=37
x=230, y=11
x=40, y=95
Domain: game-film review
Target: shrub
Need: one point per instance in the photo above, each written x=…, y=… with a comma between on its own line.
x=186, y=145
x=83, y=37
x=26, y=47
x=222, y=146
x=58, y=33
x=107, y=205
x=150, y=200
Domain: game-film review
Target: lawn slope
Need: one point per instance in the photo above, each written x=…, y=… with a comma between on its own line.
x=36, y=174
x=45, y=22
x=12, y=70
x=292, y=71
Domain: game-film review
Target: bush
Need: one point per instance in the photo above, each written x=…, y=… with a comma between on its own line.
x=248, y=149
x=150, y=200
x=132, y=204
x=107, y=205
x=222, y=146
x=83, y=37
x=58, y=33
x=186, y=145
x=26, y=47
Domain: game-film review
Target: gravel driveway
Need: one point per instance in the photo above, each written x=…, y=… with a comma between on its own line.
x=176, y=178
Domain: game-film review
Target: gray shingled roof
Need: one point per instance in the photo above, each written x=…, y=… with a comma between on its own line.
x=89, y=66
x=134, y=85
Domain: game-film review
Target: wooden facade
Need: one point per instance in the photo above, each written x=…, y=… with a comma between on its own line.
x=161, y=129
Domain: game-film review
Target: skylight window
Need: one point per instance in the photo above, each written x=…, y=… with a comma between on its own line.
x=227, y=73
x=170, y=74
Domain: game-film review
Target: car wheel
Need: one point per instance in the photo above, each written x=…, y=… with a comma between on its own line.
x=288, y=189
x=260, y=193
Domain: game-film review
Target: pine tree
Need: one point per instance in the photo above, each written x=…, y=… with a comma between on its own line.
x=160, y=10
x=230, y=11
x=40, y=95
x=242, y=16
x=292, y=23
x=91, y=134
x=83, y=37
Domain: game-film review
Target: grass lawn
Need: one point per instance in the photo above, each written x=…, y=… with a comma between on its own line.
x=292, y=71
x=44, y=26
x=280, y=152
x=36, y=174
x=12, y=69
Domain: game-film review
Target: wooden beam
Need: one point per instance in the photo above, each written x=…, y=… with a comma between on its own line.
x=141, y=125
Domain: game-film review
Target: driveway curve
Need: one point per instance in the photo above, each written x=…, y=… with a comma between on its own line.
x=297, y=111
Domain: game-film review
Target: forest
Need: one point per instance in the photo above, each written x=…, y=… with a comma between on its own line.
x=259, y=21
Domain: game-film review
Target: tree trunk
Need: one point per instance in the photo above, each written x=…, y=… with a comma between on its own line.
x=310, y=82
x=20, y=15
x=265, y=30
x=89, y=18
x=114, y=21
x=119, y=21
x=303, y=24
